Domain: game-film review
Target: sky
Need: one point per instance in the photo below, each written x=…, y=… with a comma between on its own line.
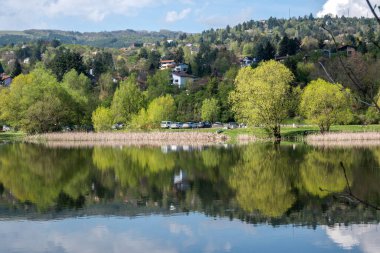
x=153, y=15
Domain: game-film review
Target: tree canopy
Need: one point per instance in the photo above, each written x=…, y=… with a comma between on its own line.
x=325, y=104
x=263, y=96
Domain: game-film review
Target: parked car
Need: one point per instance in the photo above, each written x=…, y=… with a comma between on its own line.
x=232, y=125
x=217, y=124
x=175, y=125
x=189, y=125
x=207, y=124
x=117, y=126
x=166, y=124
x=200, y=125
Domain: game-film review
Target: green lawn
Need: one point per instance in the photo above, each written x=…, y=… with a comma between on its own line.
x=11, y=136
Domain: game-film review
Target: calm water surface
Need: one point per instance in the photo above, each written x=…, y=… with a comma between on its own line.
x=254, y=198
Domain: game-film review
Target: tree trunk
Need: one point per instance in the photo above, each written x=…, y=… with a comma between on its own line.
x=277, y=133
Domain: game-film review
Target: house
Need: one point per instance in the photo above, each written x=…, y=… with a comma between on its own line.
x=5, y=80
x=182, y=78
x=167, y=64
x=182, y=67
x=247, y=61
x=349, y=50
x=27, y=60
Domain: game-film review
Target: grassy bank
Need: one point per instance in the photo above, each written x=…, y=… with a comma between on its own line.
x=11, y=136
x=289, y=133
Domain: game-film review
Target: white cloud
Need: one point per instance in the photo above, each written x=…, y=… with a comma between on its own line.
x=34, y=237
x=36, y=13
x=362, y=236
x=173, y=16
x=357, y=8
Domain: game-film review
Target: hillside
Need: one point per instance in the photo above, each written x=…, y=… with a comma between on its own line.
x=115, y=39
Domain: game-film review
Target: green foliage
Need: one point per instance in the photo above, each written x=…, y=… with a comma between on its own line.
x=159, y=85
x=210, y=110
x=322, y=174
x=263, y=180
x=325, y=104
x=64, y=61
x=127, y=101
x=102, y=119
x=102, y=63
x=39, y=175
x=372, y=116
x=106, y=87
x=261, y=98
x=303, y=72
x=78, y=86
x=36, y=103
x=16, y=69
x=160, y=109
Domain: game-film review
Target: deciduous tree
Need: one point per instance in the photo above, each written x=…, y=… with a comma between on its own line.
x=263, y=96
x=325, y=104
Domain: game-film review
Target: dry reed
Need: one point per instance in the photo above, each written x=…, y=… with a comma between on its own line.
x=122, y=139
x=362, y=139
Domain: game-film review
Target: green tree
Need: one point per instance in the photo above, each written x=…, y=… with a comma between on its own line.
x=325, y=104
x=16, y=69
x=78, y=86
x=64, y=61
x=102, y=63
x=36, y=103
x=160, y=109
x=106, y=88
x=127, y=100
x=210, y=110
x=102, y=119
x=159, y=84
x=263, y=96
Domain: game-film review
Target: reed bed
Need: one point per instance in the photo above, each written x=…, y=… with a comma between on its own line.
x=246, y=138
x=362, y=139
x=117, y=139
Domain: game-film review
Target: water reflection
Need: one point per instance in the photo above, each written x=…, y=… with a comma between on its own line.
x=365, y=237
x=283, y=184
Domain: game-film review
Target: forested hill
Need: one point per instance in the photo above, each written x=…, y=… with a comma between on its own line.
x=308, y=27
x=115, y=39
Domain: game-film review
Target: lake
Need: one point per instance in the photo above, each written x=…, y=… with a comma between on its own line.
x=249, y=198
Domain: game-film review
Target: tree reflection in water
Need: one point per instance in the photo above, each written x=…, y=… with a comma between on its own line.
x=257, y=179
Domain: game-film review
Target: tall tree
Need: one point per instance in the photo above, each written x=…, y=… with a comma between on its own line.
x=210, y=110
x=127, y=100
x=64, y=61
x=16, y=69
x=262, y=99
x=324, y=104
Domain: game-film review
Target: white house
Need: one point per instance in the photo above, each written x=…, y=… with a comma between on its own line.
x=182, y=67
x=27, y=60
x=181, y=78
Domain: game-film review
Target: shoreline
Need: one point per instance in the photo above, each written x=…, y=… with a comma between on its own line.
x=131, y=138
x=199, y=138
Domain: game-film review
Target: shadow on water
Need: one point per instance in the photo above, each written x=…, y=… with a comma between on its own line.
x=255, y=183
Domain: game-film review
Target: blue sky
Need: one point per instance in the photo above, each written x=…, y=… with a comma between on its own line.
x=153, y=15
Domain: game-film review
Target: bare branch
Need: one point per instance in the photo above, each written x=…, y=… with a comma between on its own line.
x=373, y=11
x=351, y=75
